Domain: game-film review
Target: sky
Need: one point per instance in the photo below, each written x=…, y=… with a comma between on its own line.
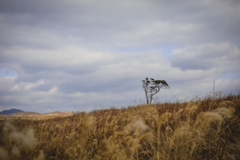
x=82, y=55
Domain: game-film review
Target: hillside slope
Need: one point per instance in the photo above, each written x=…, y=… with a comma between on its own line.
x=207, y=129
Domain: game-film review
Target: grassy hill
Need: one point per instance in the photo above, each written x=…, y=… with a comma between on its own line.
x=207, y=129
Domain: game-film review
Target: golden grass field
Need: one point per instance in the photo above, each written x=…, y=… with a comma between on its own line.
x=35, y=116
x=208, y=129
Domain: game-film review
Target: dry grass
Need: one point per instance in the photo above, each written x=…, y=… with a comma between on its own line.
x=207, y=129
x=36, y=116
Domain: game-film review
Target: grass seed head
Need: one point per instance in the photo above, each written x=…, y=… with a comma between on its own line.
x=204, y=119
x=137, y=125
x=27, y=140
x=225, y=112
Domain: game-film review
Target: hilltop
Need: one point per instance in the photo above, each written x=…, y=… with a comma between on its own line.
x=11, y=111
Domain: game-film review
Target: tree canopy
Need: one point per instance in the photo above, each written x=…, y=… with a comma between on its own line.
x=152, y=87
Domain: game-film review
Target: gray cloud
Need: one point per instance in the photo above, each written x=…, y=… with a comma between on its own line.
x=207, y=56
x=77, y=55
x=124, y=24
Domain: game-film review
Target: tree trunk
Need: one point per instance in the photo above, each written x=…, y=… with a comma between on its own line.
x=150, y=99
x=146, y=96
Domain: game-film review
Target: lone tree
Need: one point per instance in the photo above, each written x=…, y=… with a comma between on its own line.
x=151, y=87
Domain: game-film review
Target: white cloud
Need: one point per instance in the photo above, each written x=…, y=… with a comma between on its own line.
x=53, y=90
x=27, y=86
x=15, y=88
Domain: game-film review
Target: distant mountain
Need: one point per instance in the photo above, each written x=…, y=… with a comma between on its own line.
x=11, y=111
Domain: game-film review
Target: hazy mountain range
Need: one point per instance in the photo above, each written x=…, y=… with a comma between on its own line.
x=11, y=111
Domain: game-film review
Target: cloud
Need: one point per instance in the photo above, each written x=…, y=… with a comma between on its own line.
x=207, y=56
x=53, y=90
x=27, y=86
x=116, y=82
x=118, y=24
x=77, y=55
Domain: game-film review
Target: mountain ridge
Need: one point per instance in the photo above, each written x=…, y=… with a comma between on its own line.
x=10, y=111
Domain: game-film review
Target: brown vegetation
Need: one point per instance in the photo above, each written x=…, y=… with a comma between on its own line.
x=207, y=129
x=35, y=115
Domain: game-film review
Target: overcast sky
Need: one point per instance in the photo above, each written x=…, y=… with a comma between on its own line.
x=81, y=55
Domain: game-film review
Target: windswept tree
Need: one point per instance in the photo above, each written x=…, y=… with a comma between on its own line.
x=152, y=87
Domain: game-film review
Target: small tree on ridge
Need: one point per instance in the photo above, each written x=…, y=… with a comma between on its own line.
x=152, y=87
